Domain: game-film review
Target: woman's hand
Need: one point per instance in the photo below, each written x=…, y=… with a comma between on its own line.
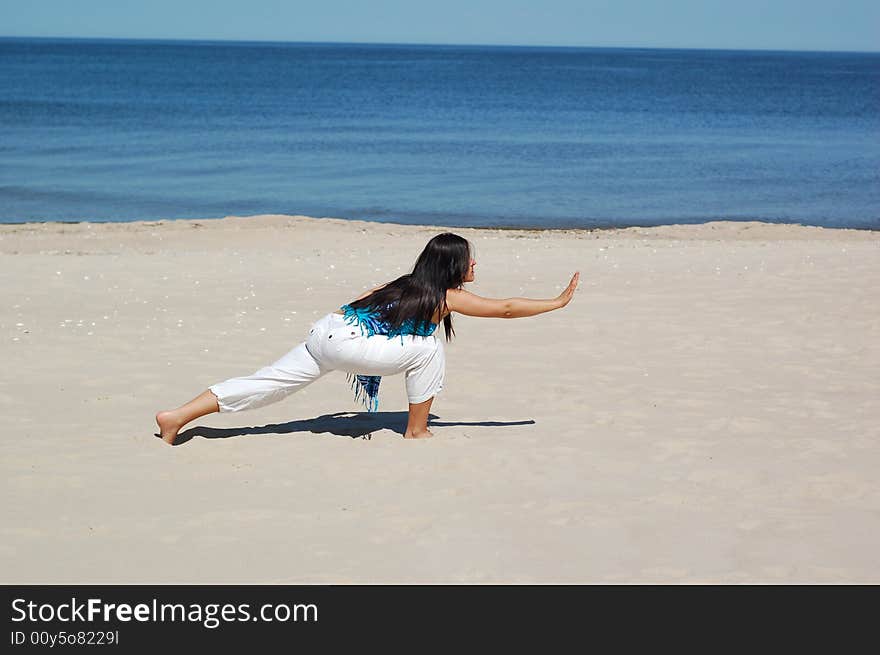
x=565, y=297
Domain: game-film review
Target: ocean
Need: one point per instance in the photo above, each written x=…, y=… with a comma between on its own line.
x=122, y=130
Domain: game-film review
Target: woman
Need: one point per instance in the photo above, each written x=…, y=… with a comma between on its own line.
x=385, y=331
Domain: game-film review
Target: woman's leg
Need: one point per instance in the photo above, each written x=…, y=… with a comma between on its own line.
x=417, y=425
x=270, y=384
x=423, y=382
x=171, y=421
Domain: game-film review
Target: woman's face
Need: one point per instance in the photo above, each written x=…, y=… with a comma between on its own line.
x=469, y=276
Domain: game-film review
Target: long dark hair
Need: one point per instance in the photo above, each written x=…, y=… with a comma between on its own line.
x=443, y=265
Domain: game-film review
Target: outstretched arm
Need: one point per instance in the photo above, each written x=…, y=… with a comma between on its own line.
x=469, y=304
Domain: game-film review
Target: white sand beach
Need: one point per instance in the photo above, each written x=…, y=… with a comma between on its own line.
x=705, y=410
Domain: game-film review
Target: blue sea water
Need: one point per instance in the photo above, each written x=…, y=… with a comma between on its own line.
x=117, y=130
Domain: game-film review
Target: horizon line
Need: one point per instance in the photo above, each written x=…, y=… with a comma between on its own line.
x=448, y=45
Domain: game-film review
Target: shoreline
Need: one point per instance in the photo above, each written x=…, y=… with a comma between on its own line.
x=714, y=230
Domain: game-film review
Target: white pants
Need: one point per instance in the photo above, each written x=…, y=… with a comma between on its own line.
x=334, y=346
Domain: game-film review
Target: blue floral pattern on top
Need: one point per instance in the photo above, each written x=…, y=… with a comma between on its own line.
x=366, y=387
x=371, y=323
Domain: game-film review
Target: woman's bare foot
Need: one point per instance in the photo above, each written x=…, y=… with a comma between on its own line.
x=170, y=422
x=169, y=426
x=419, y=434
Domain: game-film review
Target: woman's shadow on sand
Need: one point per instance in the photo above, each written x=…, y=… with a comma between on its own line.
x=342, y=424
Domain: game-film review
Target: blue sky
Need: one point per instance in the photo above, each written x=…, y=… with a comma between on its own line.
x=747, y=24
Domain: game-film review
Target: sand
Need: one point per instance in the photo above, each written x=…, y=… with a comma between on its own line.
x=705, y=410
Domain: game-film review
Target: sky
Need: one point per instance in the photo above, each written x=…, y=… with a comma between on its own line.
x=847, y=25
